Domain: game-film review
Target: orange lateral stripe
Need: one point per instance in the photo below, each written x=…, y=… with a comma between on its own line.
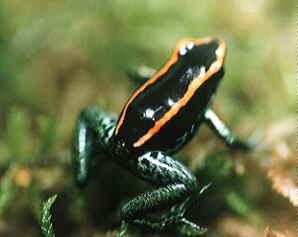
x=192, y=87
x=161, y=72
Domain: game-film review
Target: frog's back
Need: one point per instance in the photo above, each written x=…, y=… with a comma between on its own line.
x=164, y=112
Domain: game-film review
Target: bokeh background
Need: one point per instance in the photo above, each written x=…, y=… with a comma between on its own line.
x=57, y=57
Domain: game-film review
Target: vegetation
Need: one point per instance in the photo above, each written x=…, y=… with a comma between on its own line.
x=57, y=57
x=46, y=218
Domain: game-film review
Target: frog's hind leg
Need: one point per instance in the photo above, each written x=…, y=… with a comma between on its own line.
x=176, y=186
x=91, y=136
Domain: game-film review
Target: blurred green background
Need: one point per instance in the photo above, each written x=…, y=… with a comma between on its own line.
x=57, y=57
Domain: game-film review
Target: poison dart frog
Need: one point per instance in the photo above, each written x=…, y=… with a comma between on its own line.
x=159, y=118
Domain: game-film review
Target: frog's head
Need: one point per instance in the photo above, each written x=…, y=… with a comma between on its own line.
x=203, y=59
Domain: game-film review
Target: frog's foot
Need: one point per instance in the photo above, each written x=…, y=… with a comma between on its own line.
x=122, y=232
x=170, y=224
x=224, y=133
x=186, y=206
x=181, y=224
x=177, y=212
x=189, y=228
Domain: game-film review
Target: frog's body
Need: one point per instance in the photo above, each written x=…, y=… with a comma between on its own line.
x=160, y=117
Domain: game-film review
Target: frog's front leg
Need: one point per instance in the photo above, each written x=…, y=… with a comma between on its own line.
x=224, y=133
x=141, y=74
x=92, y=133
x=177, y=187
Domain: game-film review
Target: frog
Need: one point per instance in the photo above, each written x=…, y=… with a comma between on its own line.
x=160, y=117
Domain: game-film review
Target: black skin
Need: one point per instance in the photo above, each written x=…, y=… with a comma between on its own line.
x=177, y=189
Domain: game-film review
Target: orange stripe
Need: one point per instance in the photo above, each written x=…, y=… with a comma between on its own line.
x=173, y=59
x=192, y=87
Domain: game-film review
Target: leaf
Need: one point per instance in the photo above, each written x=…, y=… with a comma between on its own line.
x=46, y=217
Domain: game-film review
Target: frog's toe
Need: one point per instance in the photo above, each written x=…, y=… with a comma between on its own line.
x=191, y=201
x=188, y=228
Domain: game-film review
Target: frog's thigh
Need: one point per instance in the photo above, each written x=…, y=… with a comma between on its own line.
x=160, y=169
